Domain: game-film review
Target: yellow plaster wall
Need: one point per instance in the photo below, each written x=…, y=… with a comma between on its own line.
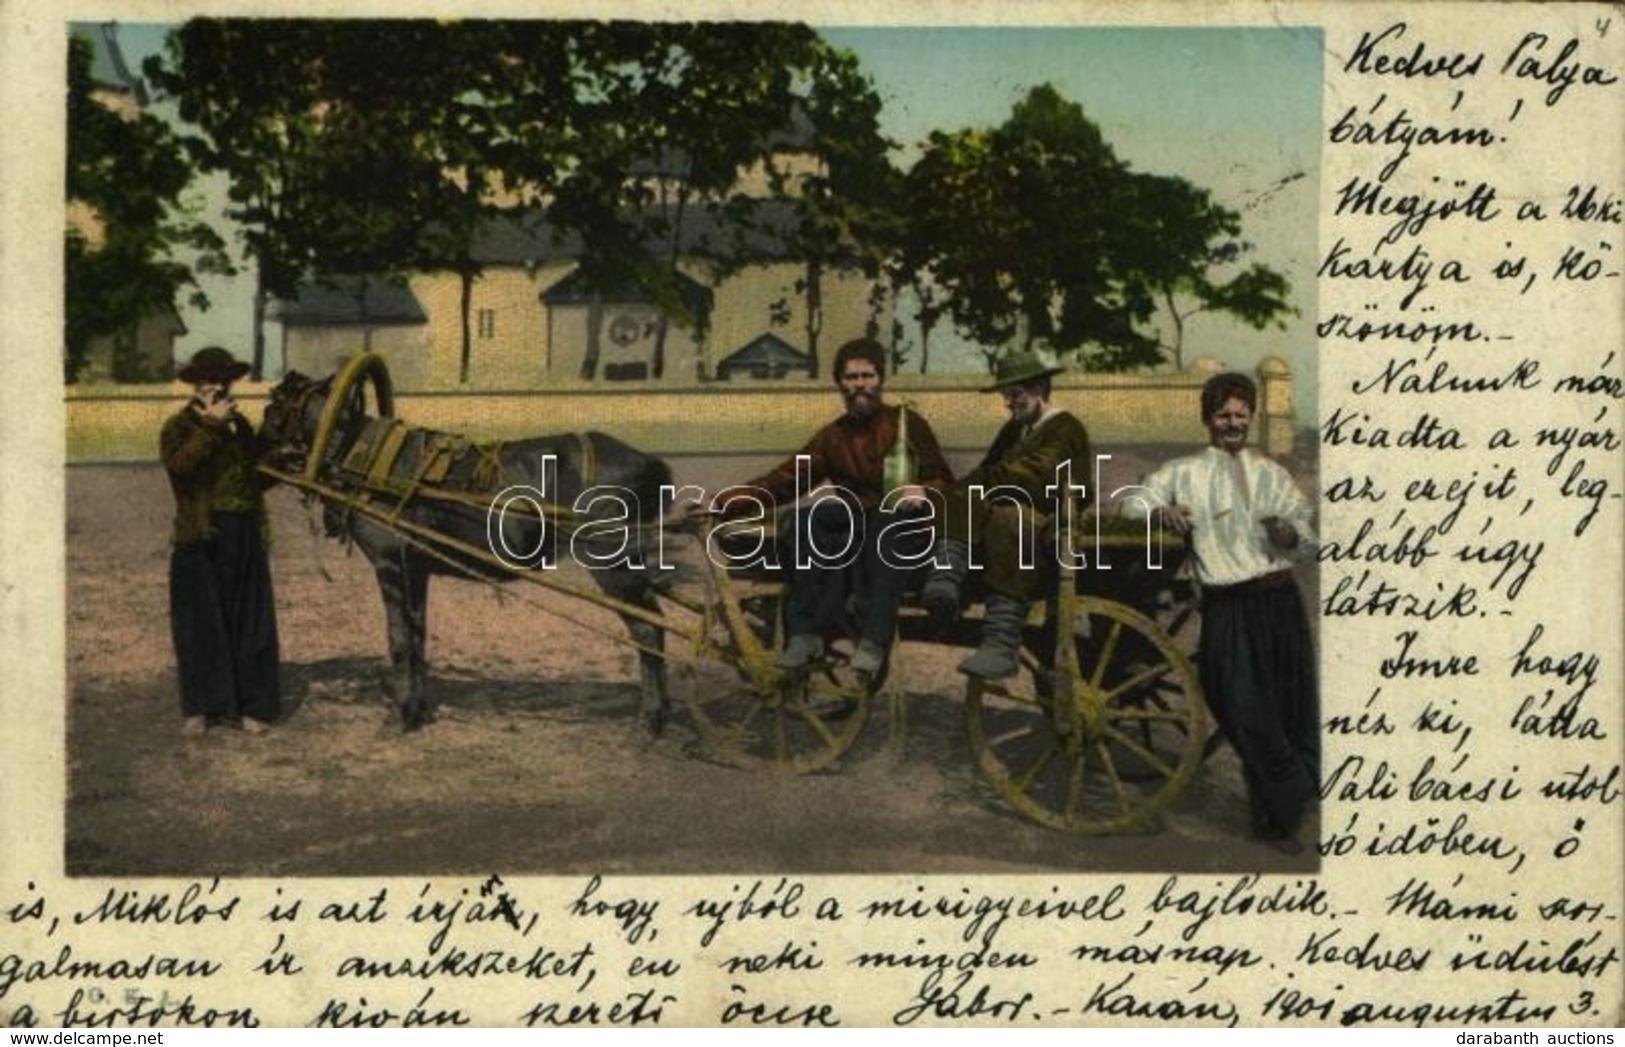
x=315, y=351
x=516, y=357
x=120, y=423
x=742, y=312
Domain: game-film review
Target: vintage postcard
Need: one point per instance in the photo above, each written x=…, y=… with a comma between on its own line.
x=1053, y=515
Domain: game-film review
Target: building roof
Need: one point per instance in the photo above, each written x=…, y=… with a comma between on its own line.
x=108, y=69
x=350, y=300
x=523, y=238
x=573, y=290
x=766, y=354
x=526, y=238
x=799, y=136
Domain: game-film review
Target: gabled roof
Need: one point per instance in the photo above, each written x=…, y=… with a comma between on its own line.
x=526, y=238
x=108, y=69
x=350, y=300
x=765, y=356
x=765, y=350
x=522, y=238
x=799, y=137
x=573, y=290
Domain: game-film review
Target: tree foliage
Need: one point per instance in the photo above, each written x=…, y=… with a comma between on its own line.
x=384, y=145
x=1035, y=232
x=387, y=146
x=334, y=137
x=130, y=174
x=673, y=113
x=846, y=212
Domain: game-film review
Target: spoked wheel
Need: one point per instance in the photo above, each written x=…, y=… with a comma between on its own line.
x=750, y=714
x=1178, y=613
x=1101, y=737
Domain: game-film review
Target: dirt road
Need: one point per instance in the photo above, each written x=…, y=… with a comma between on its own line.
x=535, y=764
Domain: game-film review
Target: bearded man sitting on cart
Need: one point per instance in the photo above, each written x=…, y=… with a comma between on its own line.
x=1007, y=510
x=846, y=543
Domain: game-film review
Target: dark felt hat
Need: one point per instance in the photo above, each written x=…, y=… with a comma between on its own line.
x=213, y=363
x=1020, y=367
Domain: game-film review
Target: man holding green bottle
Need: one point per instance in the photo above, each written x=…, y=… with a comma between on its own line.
x=852, y=539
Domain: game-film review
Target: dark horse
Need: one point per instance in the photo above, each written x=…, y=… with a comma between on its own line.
x=354, y=461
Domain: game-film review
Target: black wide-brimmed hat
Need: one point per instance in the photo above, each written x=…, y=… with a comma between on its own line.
x=213, y=363
x=1020, y=367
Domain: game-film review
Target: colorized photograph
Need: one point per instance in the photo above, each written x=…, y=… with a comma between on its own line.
x=566, y=446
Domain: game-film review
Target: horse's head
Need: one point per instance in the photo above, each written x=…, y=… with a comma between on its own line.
x=291, y=415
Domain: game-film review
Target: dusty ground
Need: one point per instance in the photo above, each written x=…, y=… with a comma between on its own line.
x=534, y=765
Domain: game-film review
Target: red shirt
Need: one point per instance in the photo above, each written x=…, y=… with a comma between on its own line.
x=851, y=453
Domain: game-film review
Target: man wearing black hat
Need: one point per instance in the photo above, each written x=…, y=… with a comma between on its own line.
x=221, y=609
x=1013, y=512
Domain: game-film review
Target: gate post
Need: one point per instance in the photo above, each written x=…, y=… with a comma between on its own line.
x=1275, y=412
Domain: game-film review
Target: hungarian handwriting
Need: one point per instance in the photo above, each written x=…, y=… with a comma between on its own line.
x=1470, y=448
x=1225, y=951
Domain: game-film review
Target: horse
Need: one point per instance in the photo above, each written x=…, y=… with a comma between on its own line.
x=560, y=467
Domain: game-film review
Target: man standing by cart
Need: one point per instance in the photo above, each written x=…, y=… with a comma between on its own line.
x=849, y=454
x=1244, y=519
x=222, y=613
x=1006, y=510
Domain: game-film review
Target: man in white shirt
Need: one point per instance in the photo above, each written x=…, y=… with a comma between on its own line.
x=1243, y=517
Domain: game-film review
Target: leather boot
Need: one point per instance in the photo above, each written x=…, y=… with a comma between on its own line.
x=940, y=596
x=802, y=650
x=998, y=656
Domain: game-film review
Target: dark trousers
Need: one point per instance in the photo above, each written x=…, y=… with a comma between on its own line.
x=1258, y=669
x=1014, y=544
x=873, y=580
x=223, y=617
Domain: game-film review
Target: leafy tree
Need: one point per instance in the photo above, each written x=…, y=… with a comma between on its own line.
x=492, y=116
x=1013, y=224
x=846, y=211
x=130, y=172
x=373, y=158
x=1035, y=231
x=253, y=88
x=671, y=116
x=1174, y=245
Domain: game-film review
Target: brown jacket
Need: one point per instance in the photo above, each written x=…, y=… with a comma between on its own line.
x=851, y=454
x=211, y=466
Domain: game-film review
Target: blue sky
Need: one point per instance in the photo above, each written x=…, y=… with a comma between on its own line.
x=1237, y=110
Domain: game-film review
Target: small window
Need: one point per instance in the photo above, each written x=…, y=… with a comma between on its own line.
x=630, y=371
x=487, y=320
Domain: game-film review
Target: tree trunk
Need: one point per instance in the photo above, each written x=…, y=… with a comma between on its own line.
x=815, y=312
x=657, y=361
x=1179, y=331
x=465, y=305
x=366, y=318
x=257, y=364
x=595, y=334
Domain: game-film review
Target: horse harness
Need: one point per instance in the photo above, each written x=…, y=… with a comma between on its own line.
x=402, y=462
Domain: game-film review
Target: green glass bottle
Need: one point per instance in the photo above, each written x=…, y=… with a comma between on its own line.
x=900, y=468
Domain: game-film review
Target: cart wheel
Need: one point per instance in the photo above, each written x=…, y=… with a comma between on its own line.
x=750, y=714
x=1105, y=738
x=349, y=395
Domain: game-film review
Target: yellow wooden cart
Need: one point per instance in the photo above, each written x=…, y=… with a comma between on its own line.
x=1102, y=729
